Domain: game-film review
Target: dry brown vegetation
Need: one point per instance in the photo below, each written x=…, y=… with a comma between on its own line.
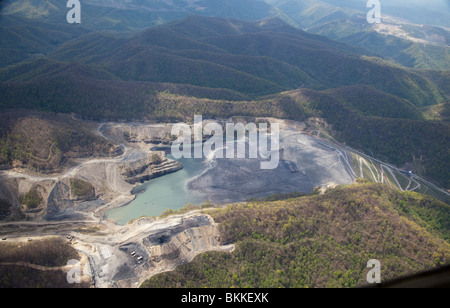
x=82, y=190
x=49, y=252
x=45, y=142
x=36, y=264
x=17, y=276
x=322, y=241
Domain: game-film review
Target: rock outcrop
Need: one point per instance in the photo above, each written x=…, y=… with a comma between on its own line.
x=148, y=168
x=150, y=247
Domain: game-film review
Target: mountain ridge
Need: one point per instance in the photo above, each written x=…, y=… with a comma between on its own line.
x=320, y=58
x=101, y=76
x=320, y=241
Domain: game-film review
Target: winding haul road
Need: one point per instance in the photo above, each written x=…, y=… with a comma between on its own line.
x=103, y=248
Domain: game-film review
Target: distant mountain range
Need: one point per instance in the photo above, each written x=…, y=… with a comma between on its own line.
x=405, y=52
x=251, y=59
x=129, y=15
x=223, y=67
x=121, y=15
x=406, y=43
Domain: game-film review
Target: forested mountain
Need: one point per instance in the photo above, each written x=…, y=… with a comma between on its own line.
x=136, y=15
x=333, y=19
x=404, y=52
x=139, y=14
x=22, y=39
x=361, y=116
x=393, y=131
x=45, y=143
x=254, y=59
x=320, y=241
x=232, y=65
x=408, y=35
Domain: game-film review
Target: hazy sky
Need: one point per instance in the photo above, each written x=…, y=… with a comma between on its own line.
x=428, y=3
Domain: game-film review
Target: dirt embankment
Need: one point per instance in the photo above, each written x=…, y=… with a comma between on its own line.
x=148, y=168
x=110, y=179
x=125, y=256
x=118, y=256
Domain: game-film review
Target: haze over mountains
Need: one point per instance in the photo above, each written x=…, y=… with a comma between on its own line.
x=329, y=18
x=406, y=43
x=254, y=59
